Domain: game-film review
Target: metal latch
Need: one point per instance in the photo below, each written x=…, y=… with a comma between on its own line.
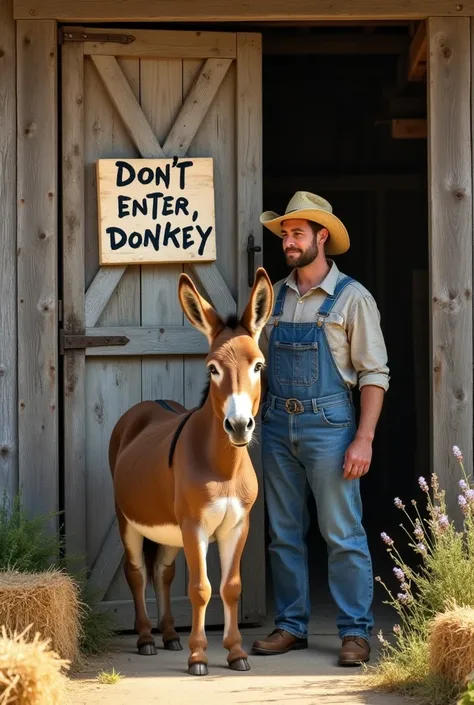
x=80, y=342
x=79, y=35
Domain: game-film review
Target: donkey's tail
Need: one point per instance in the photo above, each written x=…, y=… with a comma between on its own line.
x=150, y=554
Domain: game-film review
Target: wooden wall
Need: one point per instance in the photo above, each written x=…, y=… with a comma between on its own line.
x=8, y=331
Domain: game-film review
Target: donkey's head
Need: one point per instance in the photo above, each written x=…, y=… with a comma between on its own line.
x=234, y=360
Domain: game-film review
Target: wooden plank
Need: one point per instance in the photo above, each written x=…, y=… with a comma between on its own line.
x=73, y=300
x=450, y=247
x=409, y=129
x=249, y=207
x=37, y=266
x=127, y=106
x=8, y=309
x=211, y=279
x=417, y=55
x=158, y=44
x=161, y=339
x=99, y=292
x=196, y=106
x=161, y=89
x=105, y=566
x=238, y=10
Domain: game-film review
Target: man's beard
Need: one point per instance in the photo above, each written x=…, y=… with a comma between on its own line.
x=304, y=258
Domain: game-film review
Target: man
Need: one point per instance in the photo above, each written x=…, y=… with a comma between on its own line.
x=323, y=338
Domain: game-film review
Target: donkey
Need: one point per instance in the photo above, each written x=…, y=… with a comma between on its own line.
x=184, y=478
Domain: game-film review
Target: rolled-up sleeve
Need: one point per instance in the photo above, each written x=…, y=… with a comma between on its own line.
x=367, y=344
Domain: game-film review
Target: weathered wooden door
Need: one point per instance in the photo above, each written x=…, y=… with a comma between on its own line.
x=142, y=93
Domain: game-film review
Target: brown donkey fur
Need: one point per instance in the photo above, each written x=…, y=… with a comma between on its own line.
x=184, y=478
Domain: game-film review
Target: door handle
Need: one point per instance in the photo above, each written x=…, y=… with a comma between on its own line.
x=251, y=250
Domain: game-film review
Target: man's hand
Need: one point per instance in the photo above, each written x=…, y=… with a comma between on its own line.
x=358, y=458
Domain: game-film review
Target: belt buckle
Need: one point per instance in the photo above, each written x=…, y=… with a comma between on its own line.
x=294, y=406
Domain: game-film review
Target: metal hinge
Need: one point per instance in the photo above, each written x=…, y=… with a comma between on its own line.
x=80, y=342
x=79, y=35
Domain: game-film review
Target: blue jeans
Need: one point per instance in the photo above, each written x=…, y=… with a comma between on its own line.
x=309, y=448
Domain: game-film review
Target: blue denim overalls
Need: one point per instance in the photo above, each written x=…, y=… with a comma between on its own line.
x=308, y=421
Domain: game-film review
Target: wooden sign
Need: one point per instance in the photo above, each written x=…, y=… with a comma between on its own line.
x=156, y=210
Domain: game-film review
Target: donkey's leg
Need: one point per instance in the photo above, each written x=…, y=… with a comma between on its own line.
x=195, y=547
x=231, y=546
x=135, y=572
x=163, y=575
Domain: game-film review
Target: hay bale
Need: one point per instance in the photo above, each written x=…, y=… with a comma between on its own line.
x=30, y=672
x=48, y=601
x=451, y=644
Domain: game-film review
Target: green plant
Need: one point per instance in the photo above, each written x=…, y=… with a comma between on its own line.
x=97, y=626
x=109, y=677
x=445, y=575
x=25, y=544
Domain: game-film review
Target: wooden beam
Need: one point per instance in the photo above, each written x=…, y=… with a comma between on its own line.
x=409, y=129
x=293, y=45
x=8, y=312
x=99, y=292
x=158, y=44
x=150, y=340
x=450, y=249
x=74, y=373
x=417, y=55
x=37, y=266
x=237, y=10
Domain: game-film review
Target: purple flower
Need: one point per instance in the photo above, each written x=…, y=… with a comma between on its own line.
x=418, y=532
x=398, y=503
x=443, y=522
x=399, y=574
x=422, y=548
x=470, y=496
x=386, y=539
x=423, y=484
x=404, y=598
x=463, y=485
x=457, y=454
x=462, y=501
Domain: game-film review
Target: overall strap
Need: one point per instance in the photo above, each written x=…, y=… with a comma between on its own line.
x=280, y=300
x=331, y=299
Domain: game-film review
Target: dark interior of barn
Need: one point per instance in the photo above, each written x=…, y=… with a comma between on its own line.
x=343, y=116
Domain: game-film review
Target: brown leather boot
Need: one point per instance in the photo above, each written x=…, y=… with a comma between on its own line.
x=354, y=651
x=278, y=642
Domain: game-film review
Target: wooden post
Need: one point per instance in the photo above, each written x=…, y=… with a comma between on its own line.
x=249, y=204
x=8, y=322
x=450, y=246
x=37, y=266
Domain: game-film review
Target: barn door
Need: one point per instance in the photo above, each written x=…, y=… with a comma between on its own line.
x=139, y=93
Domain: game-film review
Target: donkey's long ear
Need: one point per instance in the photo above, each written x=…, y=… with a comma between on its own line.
x=260, y=305
x=197, y=309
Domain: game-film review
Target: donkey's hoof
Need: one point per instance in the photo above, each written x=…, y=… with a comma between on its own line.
x=173, y=645
x=240, y=664
x=198, y=669
x=147, y=650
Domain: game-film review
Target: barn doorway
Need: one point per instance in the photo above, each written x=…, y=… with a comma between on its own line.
x=343, y=117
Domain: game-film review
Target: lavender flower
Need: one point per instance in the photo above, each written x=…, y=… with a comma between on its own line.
x=423, y=484
x=399, y=574
x=418, y=532
x=396, y=629
x=386, y=539
x=463, y=485
x=469, y=496
x=422, y=548
x=381, y=638
x=443, y=522
x=398, y=503
x=404, y=598
x=462, y=501
x=457, y=454
x=405, y=587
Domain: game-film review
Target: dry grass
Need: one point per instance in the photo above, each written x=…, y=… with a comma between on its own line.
x=49, y=601
x=109, y=677
x=31, y=673
x=451, y=644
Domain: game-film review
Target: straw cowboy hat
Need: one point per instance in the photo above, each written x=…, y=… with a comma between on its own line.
x=309, y=206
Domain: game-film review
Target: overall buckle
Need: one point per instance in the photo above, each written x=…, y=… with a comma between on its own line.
x=294, y=406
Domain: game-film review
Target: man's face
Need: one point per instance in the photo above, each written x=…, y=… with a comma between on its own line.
x=299, y=242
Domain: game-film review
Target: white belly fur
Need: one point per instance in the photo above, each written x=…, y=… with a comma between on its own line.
x=220, y=517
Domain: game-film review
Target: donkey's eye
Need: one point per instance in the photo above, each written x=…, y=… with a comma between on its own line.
x=258, y=367
x=213, y=370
